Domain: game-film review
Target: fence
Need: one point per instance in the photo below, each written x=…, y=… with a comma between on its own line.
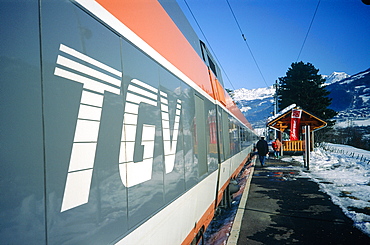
x=361, y=157
x=294, y=145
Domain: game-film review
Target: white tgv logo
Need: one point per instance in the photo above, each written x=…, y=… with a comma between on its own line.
x=82, y=158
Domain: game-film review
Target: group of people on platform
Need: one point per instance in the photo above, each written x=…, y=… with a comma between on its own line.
x=263, y=149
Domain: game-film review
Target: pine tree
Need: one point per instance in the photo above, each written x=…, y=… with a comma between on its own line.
x=303, y=86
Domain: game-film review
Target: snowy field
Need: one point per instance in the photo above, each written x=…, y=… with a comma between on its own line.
x=343, y=172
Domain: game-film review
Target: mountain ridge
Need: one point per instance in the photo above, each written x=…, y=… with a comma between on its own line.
x=350, y=97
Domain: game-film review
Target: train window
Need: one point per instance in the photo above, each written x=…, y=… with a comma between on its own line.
x=200, y=143
x=209, y=60
x=234, y=135
x=243, y=137
x=212, y=66
x=242, y=134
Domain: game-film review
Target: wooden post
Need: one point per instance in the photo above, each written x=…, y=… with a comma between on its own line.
x=281, y=140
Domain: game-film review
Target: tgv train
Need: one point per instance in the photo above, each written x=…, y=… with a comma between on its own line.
x=115, y=126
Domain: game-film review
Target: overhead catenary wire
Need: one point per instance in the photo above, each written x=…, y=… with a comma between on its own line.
x=208, y=44
x=246, y=42
x=308, y=31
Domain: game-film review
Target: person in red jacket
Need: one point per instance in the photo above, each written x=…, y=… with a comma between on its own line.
x=276, y=145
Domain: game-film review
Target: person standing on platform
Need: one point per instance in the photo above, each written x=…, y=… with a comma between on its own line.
x=263, y=150
x=276, y=145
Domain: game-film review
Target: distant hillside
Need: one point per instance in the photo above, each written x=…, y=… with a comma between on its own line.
x=350, y=94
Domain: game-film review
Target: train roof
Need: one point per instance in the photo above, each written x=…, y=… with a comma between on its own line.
x=162, y=31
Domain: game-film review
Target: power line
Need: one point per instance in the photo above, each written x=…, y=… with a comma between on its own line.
x=246, y=42
x=208, y=44
x=308, y=31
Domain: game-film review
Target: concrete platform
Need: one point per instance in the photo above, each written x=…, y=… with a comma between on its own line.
x=283, y=207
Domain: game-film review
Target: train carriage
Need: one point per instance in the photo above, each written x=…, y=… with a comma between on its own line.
x=115, y=126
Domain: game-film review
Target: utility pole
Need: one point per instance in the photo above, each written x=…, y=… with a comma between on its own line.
x=276, y=86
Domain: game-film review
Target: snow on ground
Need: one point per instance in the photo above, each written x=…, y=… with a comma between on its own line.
x=343, y=172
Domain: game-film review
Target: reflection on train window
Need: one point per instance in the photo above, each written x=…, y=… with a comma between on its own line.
x=200, y=136
x=225, y=133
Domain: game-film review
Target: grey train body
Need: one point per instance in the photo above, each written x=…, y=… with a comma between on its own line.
x=96, y=136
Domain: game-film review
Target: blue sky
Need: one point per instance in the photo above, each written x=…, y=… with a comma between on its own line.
x=339, y=38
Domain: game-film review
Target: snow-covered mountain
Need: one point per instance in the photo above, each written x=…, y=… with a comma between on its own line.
x=253, y=94
x=335, y=77
x=350, y=94
x=255, y=104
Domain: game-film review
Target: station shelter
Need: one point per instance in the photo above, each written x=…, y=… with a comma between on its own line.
x=292, y=121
